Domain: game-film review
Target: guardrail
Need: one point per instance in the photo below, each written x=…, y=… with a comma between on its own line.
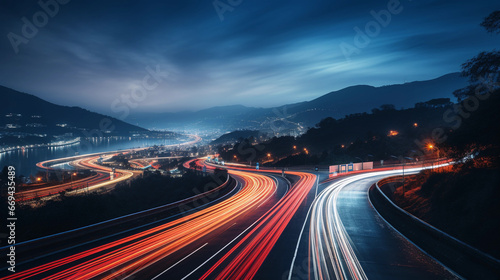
x=392, y=179
x=460, y=257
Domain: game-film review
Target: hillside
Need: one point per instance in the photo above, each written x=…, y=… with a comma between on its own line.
x=462, y=202
x=295, y=118
x=22, y=113
x=236, y=135
x=364, y=136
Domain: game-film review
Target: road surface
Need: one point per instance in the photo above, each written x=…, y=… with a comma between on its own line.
x=349, y=240
x=228, y=227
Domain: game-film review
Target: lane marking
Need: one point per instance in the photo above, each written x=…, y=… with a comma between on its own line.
x=223, y=248
x=179, y=261
x=236, y=190
x=298, y=241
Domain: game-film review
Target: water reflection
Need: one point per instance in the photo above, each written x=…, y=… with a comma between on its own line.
x=25, y=160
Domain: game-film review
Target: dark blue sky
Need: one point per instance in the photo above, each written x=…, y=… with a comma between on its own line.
x=262, y=53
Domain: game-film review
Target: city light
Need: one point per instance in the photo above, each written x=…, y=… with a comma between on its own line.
x=393, y=133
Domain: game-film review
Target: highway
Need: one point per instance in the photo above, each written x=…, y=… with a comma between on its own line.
x=89, y=162
x=349, y=240
x=209, y=231
x=264, y=225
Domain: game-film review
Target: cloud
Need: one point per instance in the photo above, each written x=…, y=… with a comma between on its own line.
x=264, y=53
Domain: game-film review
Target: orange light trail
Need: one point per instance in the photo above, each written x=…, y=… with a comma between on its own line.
x=263, y=237
x=134, y=252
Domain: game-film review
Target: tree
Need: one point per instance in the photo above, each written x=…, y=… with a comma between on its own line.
x=479, y=130
x=326, y=122
x=492, y=22
x=483, y=69
x=388, y=107
x=439, y=102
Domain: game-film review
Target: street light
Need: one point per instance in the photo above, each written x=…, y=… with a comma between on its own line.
x=73, y=174
x=432, y=147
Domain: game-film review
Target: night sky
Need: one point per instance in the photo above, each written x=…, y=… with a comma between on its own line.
x=255, y=53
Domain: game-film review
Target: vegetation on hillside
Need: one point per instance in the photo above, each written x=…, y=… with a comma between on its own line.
x=464, y=201
x=378, y=135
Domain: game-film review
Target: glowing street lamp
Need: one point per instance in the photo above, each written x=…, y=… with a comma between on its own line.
x=432, y=147
x=73, y=174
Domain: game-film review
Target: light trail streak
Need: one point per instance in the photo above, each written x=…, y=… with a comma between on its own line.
x=329, y=242
x=249, y=253
x=129, y=254
x=331, y=254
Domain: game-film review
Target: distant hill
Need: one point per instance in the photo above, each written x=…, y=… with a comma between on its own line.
x=375, y=136
x=25, y=113
x=362, y=98
x=295, y=118
x=236, y=135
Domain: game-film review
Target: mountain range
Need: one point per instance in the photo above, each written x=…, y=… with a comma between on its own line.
x=297, y=117
x=25, y=113
x=22, y=112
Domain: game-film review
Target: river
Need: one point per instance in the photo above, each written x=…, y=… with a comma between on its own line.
x=25, y=160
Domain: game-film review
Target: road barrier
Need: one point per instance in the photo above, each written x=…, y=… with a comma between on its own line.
x=458, y=256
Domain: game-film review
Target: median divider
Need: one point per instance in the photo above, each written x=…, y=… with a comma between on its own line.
x=463, y=259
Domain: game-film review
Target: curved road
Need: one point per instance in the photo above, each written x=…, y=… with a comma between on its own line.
x=349, y=240
x=160, y=252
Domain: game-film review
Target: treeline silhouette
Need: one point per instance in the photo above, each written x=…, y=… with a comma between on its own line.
x=464, y=201
x=356, y=137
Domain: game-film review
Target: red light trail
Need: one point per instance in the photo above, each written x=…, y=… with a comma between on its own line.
x=134, y=252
